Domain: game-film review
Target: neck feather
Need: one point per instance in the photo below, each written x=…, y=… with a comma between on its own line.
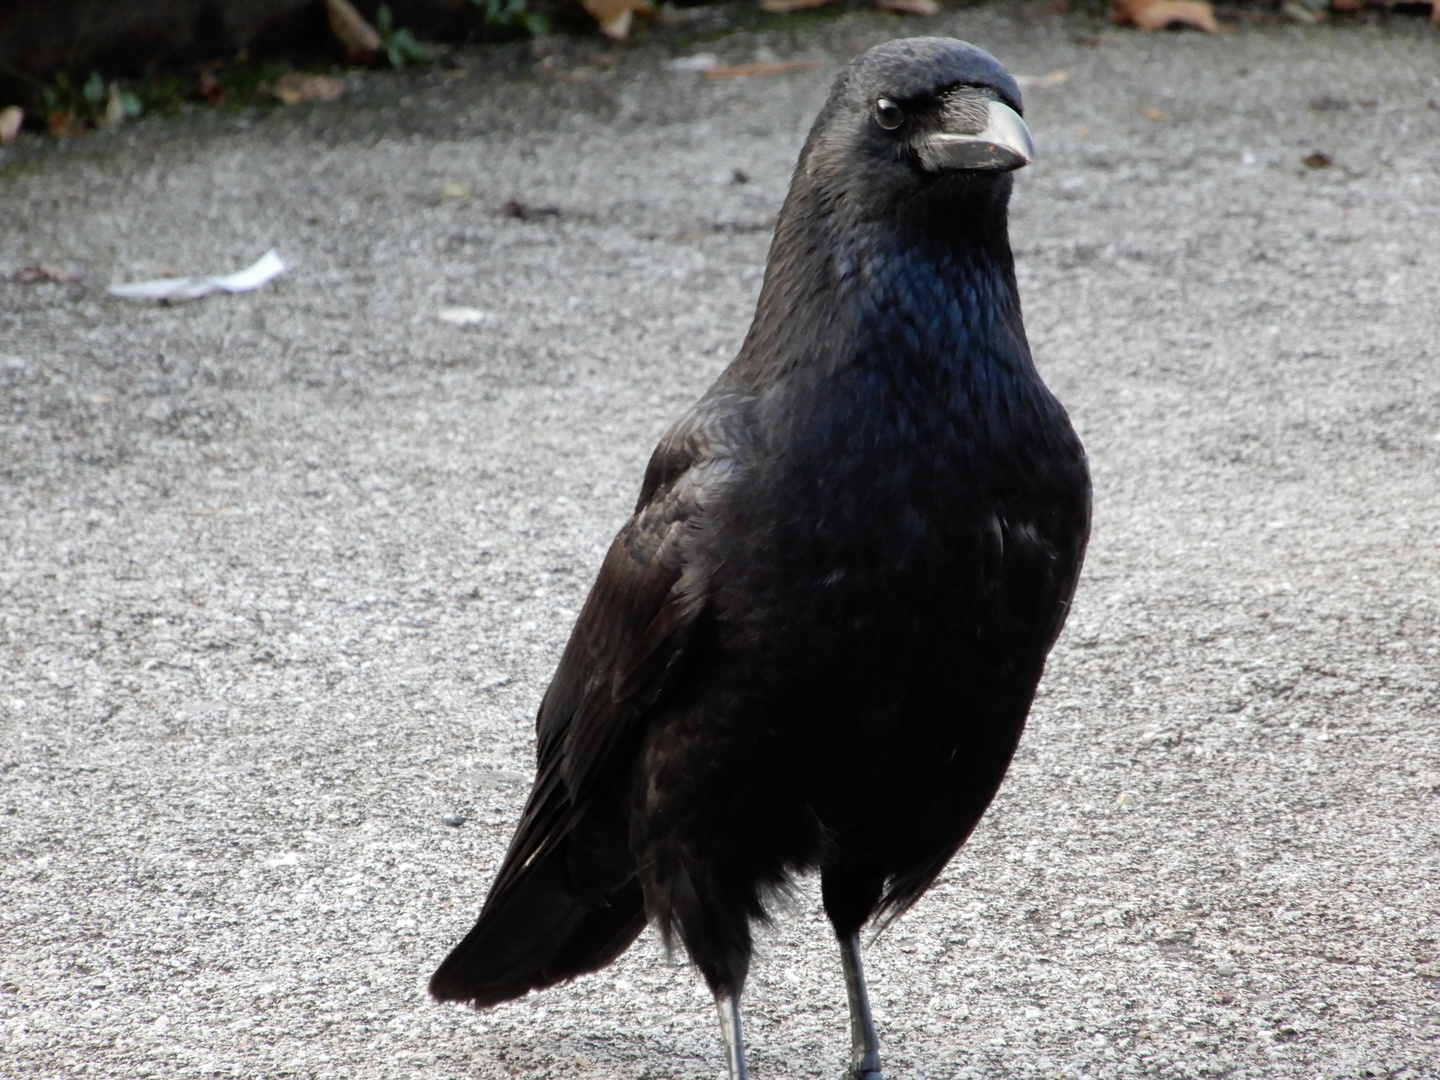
x=929, y=291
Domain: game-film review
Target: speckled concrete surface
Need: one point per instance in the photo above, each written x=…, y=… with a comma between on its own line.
x=283, y=575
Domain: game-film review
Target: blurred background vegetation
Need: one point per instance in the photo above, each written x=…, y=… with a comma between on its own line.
x=69, y=66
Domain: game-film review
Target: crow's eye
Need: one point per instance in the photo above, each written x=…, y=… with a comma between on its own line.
x=888, y=115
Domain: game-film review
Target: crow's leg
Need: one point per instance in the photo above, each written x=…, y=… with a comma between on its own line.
x=864, y=1043
x=712, y=916
x=729, y=1007
x=724, y=967
x=851, y=893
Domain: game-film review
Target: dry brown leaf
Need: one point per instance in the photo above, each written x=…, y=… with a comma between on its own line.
x=64, y=124
x=614, y=16
x=11, y=118
x=784, y=67
x=40, y=272
x=361, y=40
x=923, y=8
x=779, y=7
x=1158, y=14
x=209, y=87
x=297, y=88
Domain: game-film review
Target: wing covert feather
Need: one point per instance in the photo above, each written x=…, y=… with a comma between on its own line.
x=633, y=628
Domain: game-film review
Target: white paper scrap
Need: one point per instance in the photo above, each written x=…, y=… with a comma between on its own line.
x=464, y=316
x=699, y=62
x=268, y=268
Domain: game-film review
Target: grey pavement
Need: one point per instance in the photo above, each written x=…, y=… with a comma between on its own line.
x=283, y=575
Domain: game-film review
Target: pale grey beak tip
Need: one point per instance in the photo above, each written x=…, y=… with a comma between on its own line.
x=1003, y=145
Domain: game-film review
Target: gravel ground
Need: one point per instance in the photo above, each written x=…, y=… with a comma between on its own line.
x=284, y=574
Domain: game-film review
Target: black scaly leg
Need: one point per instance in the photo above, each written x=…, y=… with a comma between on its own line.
x=850, y=893
x=864, y=1044
x=734, y=1039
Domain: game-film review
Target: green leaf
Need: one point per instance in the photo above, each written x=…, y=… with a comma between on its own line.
x=510, y=14
x=411, y=48
x=94, y=90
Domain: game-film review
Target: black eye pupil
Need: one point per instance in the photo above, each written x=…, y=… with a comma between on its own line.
x=888, y=114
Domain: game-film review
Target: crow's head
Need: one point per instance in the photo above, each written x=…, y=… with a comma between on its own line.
x=925, y=116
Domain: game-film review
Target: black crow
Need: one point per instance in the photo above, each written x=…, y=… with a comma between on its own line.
x=815, y=643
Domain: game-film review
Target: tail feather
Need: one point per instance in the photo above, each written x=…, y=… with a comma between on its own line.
x=538, y=933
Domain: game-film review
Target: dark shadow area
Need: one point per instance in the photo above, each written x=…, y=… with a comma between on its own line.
x=135, y=38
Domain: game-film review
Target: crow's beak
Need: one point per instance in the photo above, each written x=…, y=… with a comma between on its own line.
x=978, y=135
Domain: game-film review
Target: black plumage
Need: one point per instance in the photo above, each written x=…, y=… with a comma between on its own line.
x=815, y=643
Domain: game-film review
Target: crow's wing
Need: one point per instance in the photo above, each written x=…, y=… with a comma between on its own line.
x=633, y=630
x=566, y=899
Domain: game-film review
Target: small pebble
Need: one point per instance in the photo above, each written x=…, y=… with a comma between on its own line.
x=455, y=821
